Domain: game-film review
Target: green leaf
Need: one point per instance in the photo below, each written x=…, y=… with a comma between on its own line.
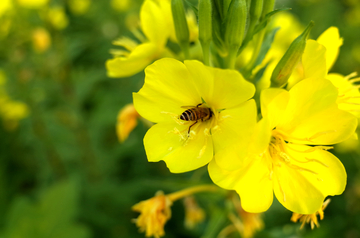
x=265, y=47
x=53, y=216
x=263, y=23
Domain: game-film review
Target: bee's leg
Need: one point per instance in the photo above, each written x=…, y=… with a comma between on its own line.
x=190, y=127
x=199, y=104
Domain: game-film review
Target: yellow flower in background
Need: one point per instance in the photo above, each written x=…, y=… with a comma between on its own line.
x=126, y=121
x=155, y=212
x=57, y=17
x=174, y=93
x=297, y=127
x=245, y=223
x=349, y=95
x=193, y=213
x=5, y=5
x=120, y=5
x=10, y=111
x=41, y=40
x=310, y=218
x=332, y=41
x=33, y=4
x=79, y=7
x=156, y=24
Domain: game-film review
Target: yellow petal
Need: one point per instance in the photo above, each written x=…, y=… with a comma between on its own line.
x=273, y=104
x=138, y=59
x=313, y=60
x=349, y=95
x=167, y=88
x=233, y=134
x=218, y=87
x=180, y=153
x=332, y=41
x=126, y=121
x=310, y=175
x=251, y=182
x=312, y=116
x=155, y=20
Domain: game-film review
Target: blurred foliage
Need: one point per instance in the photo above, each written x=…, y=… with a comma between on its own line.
x=63, y=172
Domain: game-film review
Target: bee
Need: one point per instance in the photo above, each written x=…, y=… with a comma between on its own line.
x=195, y=114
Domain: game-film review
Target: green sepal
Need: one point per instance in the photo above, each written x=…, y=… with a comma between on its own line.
x=235, y=23
x=287, y=63
x=181, y=26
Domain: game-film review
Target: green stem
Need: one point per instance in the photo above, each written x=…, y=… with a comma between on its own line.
x=231, y=58
x=258, y=43
x=206, y=52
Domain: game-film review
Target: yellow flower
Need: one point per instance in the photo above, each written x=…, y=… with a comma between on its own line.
x=79, y=7
x=156, y=24
x=155, y=212
x=250, y=222
x=33, y=4
x=126, y=121
x=5, y=6
x=292, y=159
x=349, y=95
x=120, y=5
x=57, y=17
x=221, y=96
x=310, y=218
x=193, y=213
x=11, y=111
x=41, y=40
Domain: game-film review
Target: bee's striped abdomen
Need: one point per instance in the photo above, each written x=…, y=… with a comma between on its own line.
x=189, y=115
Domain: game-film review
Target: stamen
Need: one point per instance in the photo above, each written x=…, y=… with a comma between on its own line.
x=177, y=132
x=202, y=151
x=352, y=75
x=175, y=117
x=281, y=189
x=352, y=103
x=311, y=149
x=136, y=32
x=354, y=80
x=321, y=133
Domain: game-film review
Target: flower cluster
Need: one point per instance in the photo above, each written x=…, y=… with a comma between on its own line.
x=263, y=124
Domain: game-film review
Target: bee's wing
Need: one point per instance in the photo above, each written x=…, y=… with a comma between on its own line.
x=188, y=107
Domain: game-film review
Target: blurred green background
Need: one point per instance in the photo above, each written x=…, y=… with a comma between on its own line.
x=63, y=172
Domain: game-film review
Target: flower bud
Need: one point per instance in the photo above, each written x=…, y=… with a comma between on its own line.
x=256, y=8
x=205, y=28
x=180, y=24
x=267, y=7
x=284, y=68
x=235, y=23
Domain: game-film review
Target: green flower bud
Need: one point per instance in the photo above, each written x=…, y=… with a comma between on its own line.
x=217, y=28
x=267, y=7
x=284, y=68
x=181, y=26
x=205, y=28
x=256, y=8
x=235, y=22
